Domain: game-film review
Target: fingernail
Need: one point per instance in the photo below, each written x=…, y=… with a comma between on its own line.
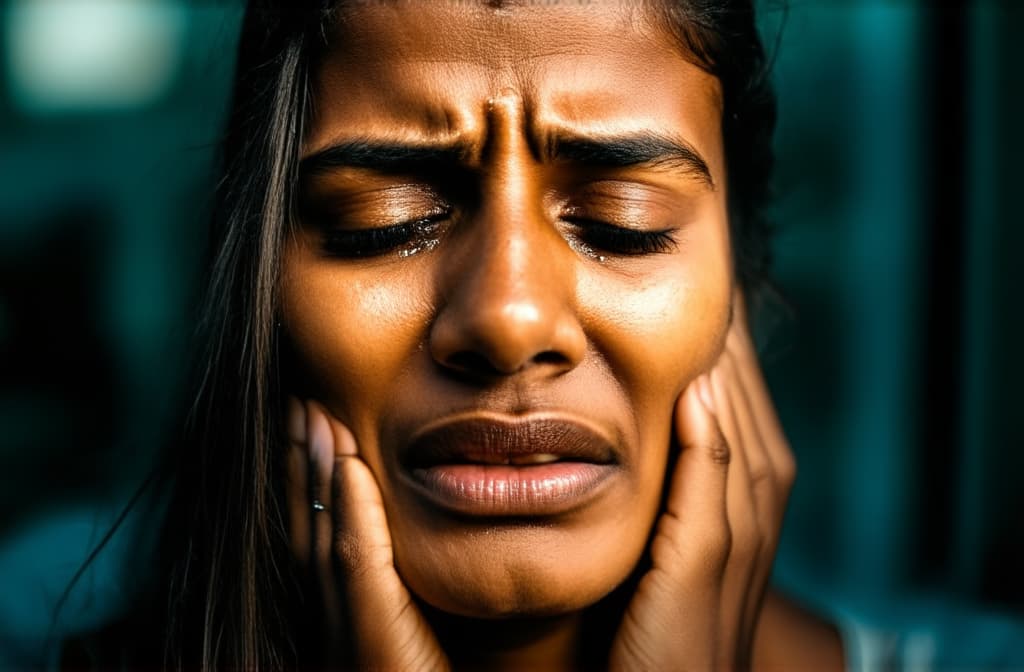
x=296, y=420
x=704, y=392
x=329, y=435
x=320, y=438
x=346, y=444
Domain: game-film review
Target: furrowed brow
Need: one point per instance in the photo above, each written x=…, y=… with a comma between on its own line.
x=636, y=149
x=386, y=157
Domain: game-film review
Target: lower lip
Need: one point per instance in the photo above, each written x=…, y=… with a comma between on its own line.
x=510, y=490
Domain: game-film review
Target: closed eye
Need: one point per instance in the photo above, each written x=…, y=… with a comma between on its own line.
x=406, y=238
x=613, y=239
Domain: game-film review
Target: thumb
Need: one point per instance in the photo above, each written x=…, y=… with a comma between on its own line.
x=386, y=628
x=696, y=503
x=673, y=615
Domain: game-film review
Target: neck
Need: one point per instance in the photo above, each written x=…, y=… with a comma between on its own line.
x=548, y=643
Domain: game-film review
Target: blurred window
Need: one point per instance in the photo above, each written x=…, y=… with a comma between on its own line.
x=70, y=55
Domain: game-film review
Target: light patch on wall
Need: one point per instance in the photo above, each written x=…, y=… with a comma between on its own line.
x=80, y=55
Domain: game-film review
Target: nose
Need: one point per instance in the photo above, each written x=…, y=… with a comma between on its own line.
x=510, y=307
x=509, y=296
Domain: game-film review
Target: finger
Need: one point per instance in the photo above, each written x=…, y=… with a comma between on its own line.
x=321, y=465
x=739, y=501
x=751, y=392
x=742, y=503
x=778, y=462
x=758, y=397
x=297, y=483
x=751, y=496
x=740, y=344
x=375, y=594
x=774, y=445
x=695, y=528
x=765, y=447
x=674, y=612
x=361, y=535
x=756, y=418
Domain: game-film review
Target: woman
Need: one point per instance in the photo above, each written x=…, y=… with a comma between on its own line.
x=488, y=262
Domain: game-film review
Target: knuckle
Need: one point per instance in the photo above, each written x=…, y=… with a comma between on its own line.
x=718, y=450
x=691, y=553
x=672, y=537
x=718, y=545
x=349, y=551
x=765, y=485
x=762, y=477
x=786, y=468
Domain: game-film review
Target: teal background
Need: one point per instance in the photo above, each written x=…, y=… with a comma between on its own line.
x=897, y=368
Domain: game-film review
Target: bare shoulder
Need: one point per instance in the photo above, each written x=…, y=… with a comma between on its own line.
x=791, y=638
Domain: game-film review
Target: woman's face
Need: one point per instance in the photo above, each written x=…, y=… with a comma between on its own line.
x=512, y=258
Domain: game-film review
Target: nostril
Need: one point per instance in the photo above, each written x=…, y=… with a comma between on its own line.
x=472, y=363
x=469, y=362
x=551, y=357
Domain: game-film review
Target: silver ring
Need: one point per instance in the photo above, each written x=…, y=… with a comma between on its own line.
x=318, y=505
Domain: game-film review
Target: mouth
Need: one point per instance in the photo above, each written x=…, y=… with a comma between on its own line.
x=494, y=466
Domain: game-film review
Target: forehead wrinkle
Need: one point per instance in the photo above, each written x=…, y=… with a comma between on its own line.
x=500, y=53
x=497, y=36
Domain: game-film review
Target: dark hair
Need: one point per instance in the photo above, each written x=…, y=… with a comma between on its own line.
x=231, y=590
x=723, y=37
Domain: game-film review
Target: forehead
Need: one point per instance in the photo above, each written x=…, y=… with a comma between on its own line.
x=498, y=36
x=430, y=66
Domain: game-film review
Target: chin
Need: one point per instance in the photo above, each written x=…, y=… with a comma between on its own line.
x=515, y=572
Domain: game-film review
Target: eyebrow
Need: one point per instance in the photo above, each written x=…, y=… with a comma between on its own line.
x=382, y=156
x=645, y=148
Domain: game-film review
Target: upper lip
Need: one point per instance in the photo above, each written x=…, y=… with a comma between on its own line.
x=499, y=440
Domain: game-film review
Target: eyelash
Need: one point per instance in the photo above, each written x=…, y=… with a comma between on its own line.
x=620, y=240
x=362, y=243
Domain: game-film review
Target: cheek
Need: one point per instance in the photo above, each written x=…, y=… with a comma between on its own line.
x=658, y=330
x=351, y=331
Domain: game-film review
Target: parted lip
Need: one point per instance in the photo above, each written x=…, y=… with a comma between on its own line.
x=499, y=440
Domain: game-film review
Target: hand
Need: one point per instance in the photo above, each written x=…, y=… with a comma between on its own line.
x=347, y=546
x=697, y=607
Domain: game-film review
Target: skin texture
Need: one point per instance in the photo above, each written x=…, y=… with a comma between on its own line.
x=611, y=343
x=508, y=308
